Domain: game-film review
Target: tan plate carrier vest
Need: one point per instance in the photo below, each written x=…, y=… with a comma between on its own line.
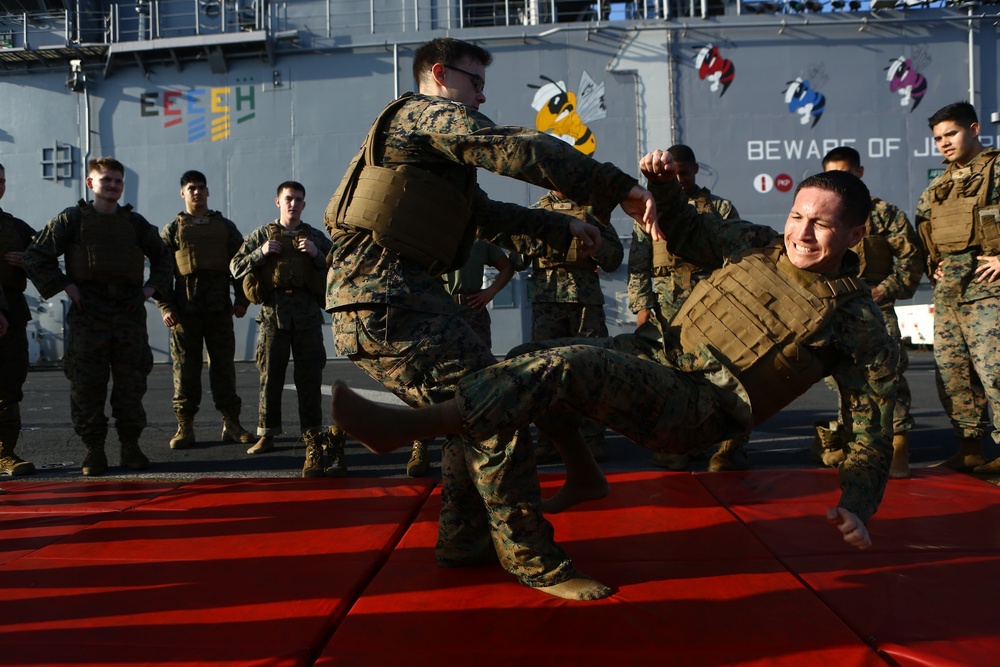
x=202, y=246
x=411, y=211
x=288, y=270
x=108, y=251
x=756, y=315
x=875, y=253
x=959, y=209
x=12, y=278
x=572, y=260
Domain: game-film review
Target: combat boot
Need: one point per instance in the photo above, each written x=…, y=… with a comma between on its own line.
x=232, y=430
x=418, y=464
x=900, y=466
x=732, y=455
x=335, y=441
x=671, y=461
x=184, y=437
x=828, y=444
x=968, y=456
x=131, y=456
x=95, y=462
x=313, y=466
x=264, y=445
x=10, y=462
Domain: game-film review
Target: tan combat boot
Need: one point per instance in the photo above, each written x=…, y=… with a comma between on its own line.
x=11, y=463
x=264, y=445
x=335, y=441
x=418, y=464
x=232, y=430
x=184, y=437
x=828, y=444
x=313, y=466
x=95, y=462
x=671, y=461
x=900, y=466
x=732, y=455
x=131, y=456
x=968, y=456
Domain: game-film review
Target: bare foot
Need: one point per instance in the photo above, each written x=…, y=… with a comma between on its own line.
x=576, y=492
x=375, y=426
x=579, y=587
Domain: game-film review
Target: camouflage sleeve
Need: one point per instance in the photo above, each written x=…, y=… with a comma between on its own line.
x=907, y=259
x=535, y=158
x=234, y=240
x=640, y=271
x=866, y=377
x=323, y=245
x=702, y=238
x=161, y=260
x=611, y=253
x=250, y=254
x=41, y=259
x=532, y=232
x=922, y=221
x=725, y=209
x=168, y=235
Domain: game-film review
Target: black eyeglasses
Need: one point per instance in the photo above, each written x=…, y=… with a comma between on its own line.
x=478, y=83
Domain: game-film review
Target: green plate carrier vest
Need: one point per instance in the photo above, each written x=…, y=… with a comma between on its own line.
x=108, y=251
x=201, y=245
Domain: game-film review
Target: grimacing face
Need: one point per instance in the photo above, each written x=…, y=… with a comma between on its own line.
x=816, y=232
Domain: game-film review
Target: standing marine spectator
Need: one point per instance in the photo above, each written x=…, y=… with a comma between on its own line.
x=105, y=247
x=465, y=285
x=659, y=281
x=199, y=311
x=567, y=300
x=958, y=222
x=15, y=235
x=891, y=265
x=283, y=264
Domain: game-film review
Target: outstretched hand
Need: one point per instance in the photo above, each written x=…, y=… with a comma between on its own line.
x=641, y=207
x=852, y=528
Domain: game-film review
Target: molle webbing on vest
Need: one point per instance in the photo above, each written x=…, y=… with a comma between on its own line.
x=875, y=254
x=12, y=278
x=756, y=315
x=202, y=246
x=573, y=260
x=664, y=259
x=108, y=251
x=956, y=201
x=411, y=211
x=292, y=268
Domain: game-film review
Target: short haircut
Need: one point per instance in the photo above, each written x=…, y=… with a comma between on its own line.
x=447, y=51
x=192, y=176
x=682, y=153
x=854, y=194
x=843, y=154
x=105, y=164
x=291, y=185
x=961, y=113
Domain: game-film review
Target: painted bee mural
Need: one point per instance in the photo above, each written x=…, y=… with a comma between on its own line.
x=715, y=69
x=565, y=114
x=906, y=81
x=801, y=99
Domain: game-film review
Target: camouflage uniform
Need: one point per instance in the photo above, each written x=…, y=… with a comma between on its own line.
x=15, y=235
x=202, y=304
x=469, y=280
x=567, y=302
x=291, y=322
x=889, y=222
x=660, y=289
x=966, y=316
x=644, y=387
x=395, y=321
x=107, y=337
